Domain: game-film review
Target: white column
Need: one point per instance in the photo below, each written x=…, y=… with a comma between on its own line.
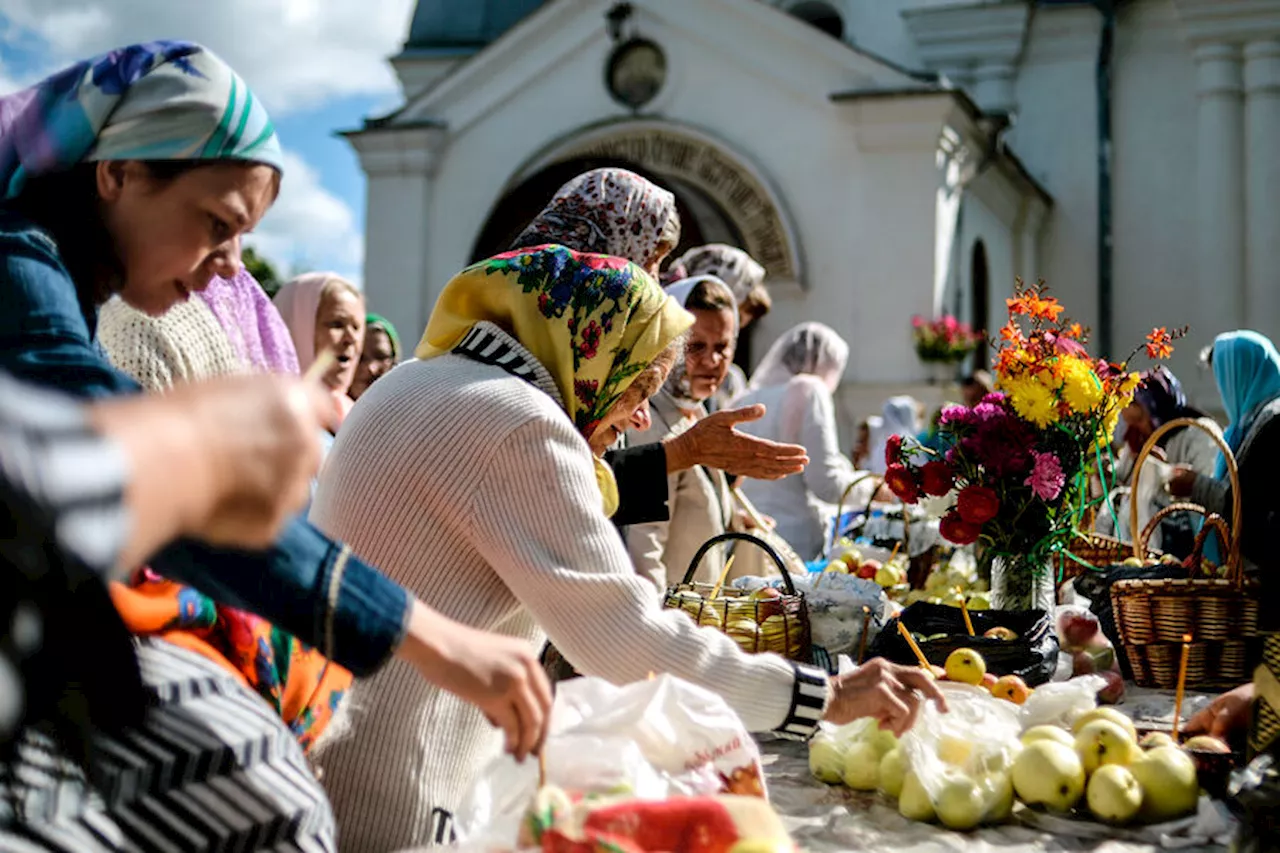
x=1220, y=184
x=1262, y=189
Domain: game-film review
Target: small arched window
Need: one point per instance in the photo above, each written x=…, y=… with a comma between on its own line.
x=821, y=15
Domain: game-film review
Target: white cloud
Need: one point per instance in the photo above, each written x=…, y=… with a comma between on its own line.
x=294, y=54
x=308, y=227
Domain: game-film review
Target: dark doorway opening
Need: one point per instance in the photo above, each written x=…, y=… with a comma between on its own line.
x=980, y=288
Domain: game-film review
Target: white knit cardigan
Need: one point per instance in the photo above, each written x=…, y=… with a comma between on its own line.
x=471, y=486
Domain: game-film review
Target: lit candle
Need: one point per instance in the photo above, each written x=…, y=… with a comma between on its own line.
x=1182, y=685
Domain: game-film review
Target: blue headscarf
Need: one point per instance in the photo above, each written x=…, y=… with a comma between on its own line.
x=1246, y=367
x=163, y=100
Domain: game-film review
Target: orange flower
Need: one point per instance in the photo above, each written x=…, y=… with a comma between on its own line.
x=1075, y=331
x=1159, y=344
x=1011, y=332
x=1046, y=308
x=1018, y=305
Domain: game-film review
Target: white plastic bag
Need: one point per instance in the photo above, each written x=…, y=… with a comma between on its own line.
x=651, y=739
x=1060, y=702
x=974, y=744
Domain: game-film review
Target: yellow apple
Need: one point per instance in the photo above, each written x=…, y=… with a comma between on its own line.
x=914, y=802
x=954, y=751
x=1052, y=733
x=882, y=740
x=1169, y=785
x=1050, y=774
x=1114, y=796
x=966, y=666
x=1103, y=742
x=1118, y=717
x=710, y=617
x=1153, y=739
x=998, y=792
x=1207, y=743
x=893, y=772
x=862, y=766
x=960, y=804
x=826, y=759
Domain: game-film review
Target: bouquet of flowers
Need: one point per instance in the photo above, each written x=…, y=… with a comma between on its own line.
x=1017, y=462
x=943, y=341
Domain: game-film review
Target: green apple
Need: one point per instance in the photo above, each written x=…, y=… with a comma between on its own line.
x=1050, y=774
x=1052, y=733
x=1103, y=742
x=960, y=803
x=882, y=740
x=1153, y=739
x=914, y=802
x=826, y=759
x=1169, y=785
x=1114, y=796
x=893, y=772
x=998, y=791
x=862, y=766
x=1120, y=718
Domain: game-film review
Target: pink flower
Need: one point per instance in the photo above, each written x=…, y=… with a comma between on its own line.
x=1046, y=478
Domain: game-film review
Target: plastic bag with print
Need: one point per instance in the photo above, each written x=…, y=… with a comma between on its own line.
x=651, y=739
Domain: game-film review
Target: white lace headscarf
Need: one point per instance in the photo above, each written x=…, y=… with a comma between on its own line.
x=809, y=348
x=901, y=416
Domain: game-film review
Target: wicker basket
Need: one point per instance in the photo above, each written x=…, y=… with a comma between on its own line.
x=920, y=566
x=1153, y=616
x=779, y=625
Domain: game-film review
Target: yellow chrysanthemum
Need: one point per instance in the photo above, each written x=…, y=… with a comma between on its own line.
x=1081, y=387
x=1129, y=385
x=1032, y=401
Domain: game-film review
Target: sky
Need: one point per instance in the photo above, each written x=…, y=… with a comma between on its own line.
x=319, y=66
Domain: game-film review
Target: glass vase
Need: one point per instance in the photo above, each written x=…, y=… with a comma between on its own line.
x=1022, y=583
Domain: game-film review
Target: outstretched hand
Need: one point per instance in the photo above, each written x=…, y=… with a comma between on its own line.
x=890, y=693
x=715, y=443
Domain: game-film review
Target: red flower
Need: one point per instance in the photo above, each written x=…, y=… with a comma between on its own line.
x=902, y=483
x=893, y=450
x=1159, y=344
x=977, y=505
x=936, y=478
x=955, y=529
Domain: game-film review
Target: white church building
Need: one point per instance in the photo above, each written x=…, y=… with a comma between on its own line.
x=881, y=158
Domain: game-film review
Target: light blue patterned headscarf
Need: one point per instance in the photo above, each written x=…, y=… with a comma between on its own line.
x=163, y=100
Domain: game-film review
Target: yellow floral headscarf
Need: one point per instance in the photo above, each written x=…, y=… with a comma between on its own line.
x=595, y=322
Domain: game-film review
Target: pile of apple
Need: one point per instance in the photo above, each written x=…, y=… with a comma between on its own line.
x=756, y=621
x=951, y=584
x=1080, y=635
x=848, y=559
x=1101, y=768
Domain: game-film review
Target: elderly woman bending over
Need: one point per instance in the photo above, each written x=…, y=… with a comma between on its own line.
x=474, y=475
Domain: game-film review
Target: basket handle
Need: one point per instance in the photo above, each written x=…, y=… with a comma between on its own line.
x=1235, y=570
x=1172, y=509
x=844, y=496
x=743, y=537
x=1212, y=522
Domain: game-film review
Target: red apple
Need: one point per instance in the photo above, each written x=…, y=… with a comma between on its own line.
x=1076, y=628
x=1082, y=663
x=867, y=571
x=1113, y=692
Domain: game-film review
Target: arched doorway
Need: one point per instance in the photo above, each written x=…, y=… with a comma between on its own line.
x=980, y=290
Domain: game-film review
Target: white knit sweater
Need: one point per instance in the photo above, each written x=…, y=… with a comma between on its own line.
x=473, y=488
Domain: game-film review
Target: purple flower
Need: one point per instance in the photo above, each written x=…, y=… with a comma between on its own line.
x=953, y=416
x=995, y=398
x=987, y=412
x=1046, y=478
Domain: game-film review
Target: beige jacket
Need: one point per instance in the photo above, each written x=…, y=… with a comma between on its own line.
x=700, y=504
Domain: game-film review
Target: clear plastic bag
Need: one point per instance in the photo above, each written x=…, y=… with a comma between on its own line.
x=1060, y=702
x=650, y=740
x=962, y=758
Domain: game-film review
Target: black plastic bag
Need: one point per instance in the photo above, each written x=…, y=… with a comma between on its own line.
x=1033, y=656
x=1096, y=586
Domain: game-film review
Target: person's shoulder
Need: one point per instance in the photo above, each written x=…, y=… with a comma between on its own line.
x=33, y=279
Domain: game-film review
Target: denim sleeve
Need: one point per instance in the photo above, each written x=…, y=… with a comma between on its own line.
x=307, y=585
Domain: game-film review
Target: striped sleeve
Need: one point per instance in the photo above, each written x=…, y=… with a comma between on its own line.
x=50, y=453
x=809, y=700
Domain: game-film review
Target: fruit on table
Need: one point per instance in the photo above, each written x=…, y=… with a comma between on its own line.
x=979, y=601
x=710, y=616
x=890, y=575
x=1207, y=743
x=826, y=758
x=765, y=592
x=1113, y=795
x=937, y=672
x=960, y=804
x=1077, y=628
x=989, y=680
x=837, y=566
x=893, y=772
x=998, y=788
x=965, y=666
x=1153, y=739
x=1113, y=691
x=955, y=751
x=1168, y=779
x=882, y=740
x=866, y=571
x=1118, y=717
x=1051, y=733
x=1050, y=774
x=1000, y=633
x=1133, y=562
x=1011, y=688
x=914, y=802
x=744, y=631
x=862, y=766
x=1102, y=742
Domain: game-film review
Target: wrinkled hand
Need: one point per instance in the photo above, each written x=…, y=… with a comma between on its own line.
x=500, y=675
x=890, y=693
x=261, y=441
x=1227, y=713
x=746, y=523
x=1181, y=481
x=715, y=443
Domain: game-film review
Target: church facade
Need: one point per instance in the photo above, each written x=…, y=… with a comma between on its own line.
x=881, y=158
